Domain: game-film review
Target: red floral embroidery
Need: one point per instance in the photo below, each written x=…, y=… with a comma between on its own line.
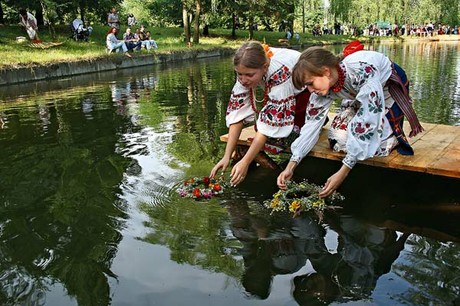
x=313, y=112
x=359, y=129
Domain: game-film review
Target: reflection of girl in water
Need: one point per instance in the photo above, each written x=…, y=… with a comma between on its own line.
x=273, y=246
x=364, y=253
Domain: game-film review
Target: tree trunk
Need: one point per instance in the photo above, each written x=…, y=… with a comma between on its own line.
x=196, y=36
x=186, y=24
x=251, y=28
x=82, y=6
x=2, y=20
x=233, y=25
x=39, y=15
x=291, y=10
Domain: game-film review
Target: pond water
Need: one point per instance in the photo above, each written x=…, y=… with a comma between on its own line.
x=89, y=213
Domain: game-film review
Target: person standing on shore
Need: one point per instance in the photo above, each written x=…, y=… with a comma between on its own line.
x=29, y=22
x=113, y=20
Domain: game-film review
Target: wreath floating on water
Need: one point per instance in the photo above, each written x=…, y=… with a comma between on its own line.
x=302, y=197
x=202, y=188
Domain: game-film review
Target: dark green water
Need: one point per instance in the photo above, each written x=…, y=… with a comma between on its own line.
x=89, y=214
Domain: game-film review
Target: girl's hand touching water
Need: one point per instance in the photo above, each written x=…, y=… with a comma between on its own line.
x=283, y=178
x=286, y=175
x=238, y=173
x=222, y=164
x=334, y=181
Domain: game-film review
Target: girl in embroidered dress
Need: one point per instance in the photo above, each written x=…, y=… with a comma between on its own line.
x=369, y=122
x=258, y=65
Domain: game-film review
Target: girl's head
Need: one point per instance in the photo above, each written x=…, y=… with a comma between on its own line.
x=112, y=30
x=316, y=69
x=23, y=12
x=251, y=63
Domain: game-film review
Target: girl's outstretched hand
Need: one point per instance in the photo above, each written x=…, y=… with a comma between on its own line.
x=284, y=177
x=222, y=164
x=238, y=173
x=334, y=182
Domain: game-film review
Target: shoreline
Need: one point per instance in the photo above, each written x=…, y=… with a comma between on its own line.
x=101, y=64
x=12, y=76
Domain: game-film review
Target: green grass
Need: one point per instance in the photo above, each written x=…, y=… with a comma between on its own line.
x=14, y=54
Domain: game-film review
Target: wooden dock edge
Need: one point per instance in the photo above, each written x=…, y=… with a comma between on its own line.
x=437, y=150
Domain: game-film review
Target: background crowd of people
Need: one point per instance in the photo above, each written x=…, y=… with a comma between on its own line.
x=131, y=40
x=387, y=29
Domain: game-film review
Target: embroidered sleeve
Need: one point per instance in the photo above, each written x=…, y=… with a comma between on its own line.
x=315, y=117
x=365, y=129
x=239, y=106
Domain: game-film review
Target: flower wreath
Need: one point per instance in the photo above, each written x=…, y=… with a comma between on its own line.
x=202, y=188
x=303, y=196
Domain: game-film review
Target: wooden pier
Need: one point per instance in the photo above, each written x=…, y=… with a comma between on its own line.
x=437, y=150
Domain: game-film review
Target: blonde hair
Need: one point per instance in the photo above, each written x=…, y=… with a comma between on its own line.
x=251, y=55
x=312, y=61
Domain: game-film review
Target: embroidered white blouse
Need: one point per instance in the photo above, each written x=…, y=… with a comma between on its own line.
x=366, y=73
x=276, y=117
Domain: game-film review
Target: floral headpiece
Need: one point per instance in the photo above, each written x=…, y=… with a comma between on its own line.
x=267, y=50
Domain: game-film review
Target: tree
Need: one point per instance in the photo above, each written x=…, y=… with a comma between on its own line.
x=196, y=35
x=186, y=21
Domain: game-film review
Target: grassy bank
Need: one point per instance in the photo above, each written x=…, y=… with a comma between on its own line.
x=14, y=54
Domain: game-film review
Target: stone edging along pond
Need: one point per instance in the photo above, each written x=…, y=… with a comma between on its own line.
x=10, y=76
x=110, y=62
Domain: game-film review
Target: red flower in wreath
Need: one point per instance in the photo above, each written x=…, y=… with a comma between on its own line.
x=197, y=192
x=190, y=181
x=202, y=188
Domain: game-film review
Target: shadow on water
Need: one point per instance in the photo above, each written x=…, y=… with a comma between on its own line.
x=425, y=204
x=382, y=230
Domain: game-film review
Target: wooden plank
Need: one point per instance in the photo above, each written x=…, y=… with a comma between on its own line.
x=428, y=148
x=448, y=161
x=437, y=150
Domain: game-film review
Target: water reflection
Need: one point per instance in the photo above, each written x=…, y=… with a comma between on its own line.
x=60, y=217
x=433, y=70
x=88, y=173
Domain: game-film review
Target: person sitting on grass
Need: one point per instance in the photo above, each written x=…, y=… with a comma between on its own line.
x=139, y=36
x=153, y=43
x=28, y=21
x=113, y=44
x=146, y=39
x=131, y=41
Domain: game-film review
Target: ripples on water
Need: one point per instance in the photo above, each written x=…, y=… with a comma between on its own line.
x=88, y=180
